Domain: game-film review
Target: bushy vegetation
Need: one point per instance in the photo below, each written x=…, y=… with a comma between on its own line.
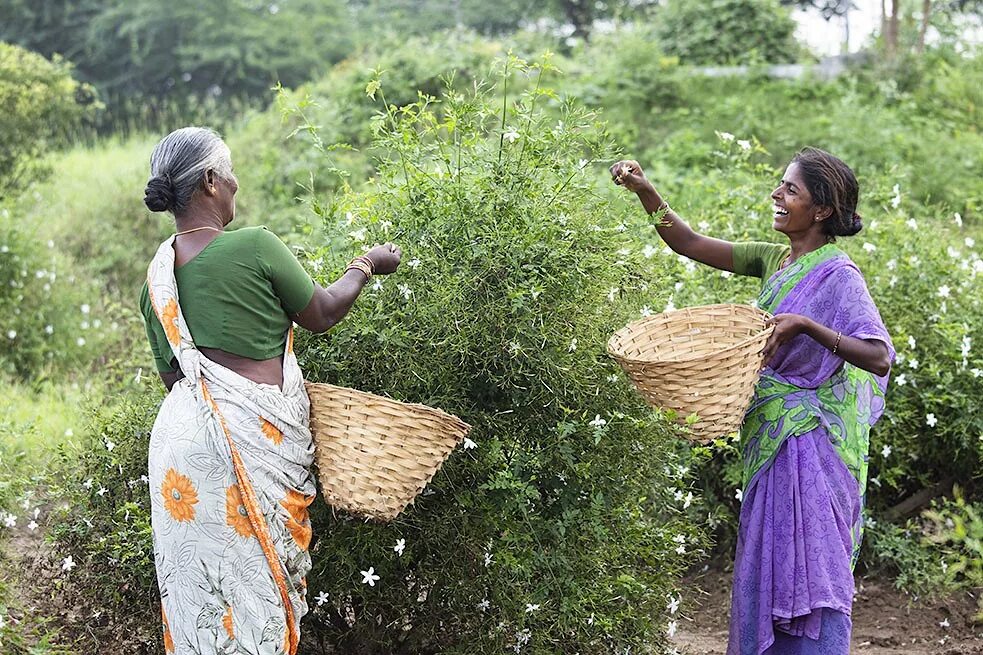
x=520, y=259
x=40, y=105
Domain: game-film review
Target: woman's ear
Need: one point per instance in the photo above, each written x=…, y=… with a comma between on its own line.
x=210, y=182
x=823, y=214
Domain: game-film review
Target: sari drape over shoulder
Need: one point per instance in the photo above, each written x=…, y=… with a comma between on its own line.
x=230, y=485
x=804, y=443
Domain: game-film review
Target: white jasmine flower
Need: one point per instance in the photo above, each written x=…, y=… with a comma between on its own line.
x=901, y=380
x=10, y=521
x=957, y=219
x=673, y=605
x=414, y=263
x=405, y=291
x=944, y=623
x=87, y=484
x=970, y=242
x=912, y=223
x=532, y=607
x=484, y=604
x=489, y=560
x=911, y=342
x=892, y=264
x=85, y=309
x=80, y=342
x=913, y=363
x=649, y=250
x=32, y=526
x=67, y=564
x=739, y=495
x=679, y=538
x=110, y=445
x=399, y=547
x=896, y=200
x=582, y=164
x=725, y=136
x=49, y=329
x=12, y=334
x=688, y=501
x=102, y=491
x=976, y=372
x=944, y=291
x=681, y=549
x=511, y=135
x=646, y=311
x=612, y=292
x=377, y=285
x=744, y=144
x=598, y=422
x=358, y=235
x=886, y=451
x=369, y=577
x=670, y=307
x=869, y=247
x=930, y=420
x=671, y=629
x=726, y=274
x=469, y=444
x=875, y=481
x=573, y=345
x=321, y=598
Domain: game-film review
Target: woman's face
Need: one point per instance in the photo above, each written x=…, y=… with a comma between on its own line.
x=226, y=196
x=794, y=212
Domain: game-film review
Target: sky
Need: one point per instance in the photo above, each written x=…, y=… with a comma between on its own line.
x=826, y=37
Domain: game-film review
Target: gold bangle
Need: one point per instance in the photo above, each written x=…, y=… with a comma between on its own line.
x=368, y=262
x=836, y=345
x=360, y=266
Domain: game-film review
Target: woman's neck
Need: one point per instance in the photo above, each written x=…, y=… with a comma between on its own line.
x=191, y=220
x=806, y=243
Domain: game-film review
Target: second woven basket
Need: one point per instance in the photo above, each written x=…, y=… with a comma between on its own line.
x=375, y=455
x=701, y=361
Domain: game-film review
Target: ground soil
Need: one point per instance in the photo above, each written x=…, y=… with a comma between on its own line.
x=885, y=621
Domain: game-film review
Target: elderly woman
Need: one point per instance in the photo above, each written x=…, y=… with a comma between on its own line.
x=230, y=451
x=805, y=437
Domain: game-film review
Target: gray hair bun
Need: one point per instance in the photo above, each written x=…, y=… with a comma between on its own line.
x=159, y=194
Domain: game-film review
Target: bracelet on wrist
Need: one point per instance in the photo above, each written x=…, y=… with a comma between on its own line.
x=363, y=267
x=839, y=335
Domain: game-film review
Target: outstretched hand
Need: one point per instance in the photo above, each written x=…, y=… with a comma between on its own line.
x=385, y=258
x=787, y=326
x=629, y=174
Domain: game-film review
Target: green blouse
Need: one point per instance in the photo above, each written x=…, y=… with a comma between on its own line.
x=237, y=295
x=759, y=259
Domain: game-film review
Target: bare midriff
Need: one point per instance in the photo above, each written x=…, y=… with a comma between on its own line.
x=266, y=371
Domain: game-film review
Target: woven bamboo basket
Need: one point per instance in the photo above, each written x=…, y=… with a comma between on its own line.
x=375, y=455
x=701, y=361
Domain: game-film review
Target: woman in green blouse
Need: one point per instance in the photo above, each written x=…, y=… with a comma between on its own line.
x=230, y=451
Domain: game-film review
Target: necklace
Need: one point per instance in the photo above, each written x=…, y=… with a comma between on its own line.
x=195, y=229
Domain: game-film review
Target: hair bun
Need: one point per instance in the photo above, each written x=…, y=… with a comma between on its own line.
x=856, y=224
x=159, y=194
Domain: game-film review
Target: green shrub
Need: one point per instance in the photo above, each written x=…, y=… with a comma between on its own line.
x=40, y=104
x=515, y=274
x=727, y=32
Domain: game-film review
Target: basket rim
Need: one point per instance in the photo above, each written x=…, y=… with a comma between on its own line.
x=689, y=358
x=426, y=409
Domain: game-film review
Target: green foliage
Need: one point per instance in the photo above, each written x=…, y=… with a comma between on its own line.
x=516, y=273
x=727, y=32
x=53, y=320
x=40, y=104
x=955, y=527
x=151, y=60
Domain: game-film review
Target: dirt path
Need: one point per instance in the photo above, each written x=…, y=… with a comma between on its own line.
x=885, y=621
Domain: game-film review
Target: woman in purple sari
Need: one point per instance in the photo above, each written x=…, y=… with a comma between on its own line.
x=805, y=437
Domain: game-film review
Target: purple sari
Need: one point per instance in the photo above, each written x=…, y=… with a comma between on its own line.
x=804, y=443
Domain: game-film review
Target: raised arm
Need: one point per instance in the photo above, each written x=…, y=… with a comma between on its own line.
x=674, y=231
x=328, y=306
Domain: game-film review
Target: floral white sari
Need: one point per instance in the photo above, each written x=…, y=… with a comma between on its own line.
x=230, y=485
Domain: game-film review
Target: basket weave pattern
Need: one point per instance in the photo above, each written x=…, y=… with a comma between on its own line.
x=375, y=455
x=699, y=360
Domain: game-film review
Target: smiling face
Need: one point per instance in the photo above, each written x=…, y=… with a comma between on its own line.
x=794, y=211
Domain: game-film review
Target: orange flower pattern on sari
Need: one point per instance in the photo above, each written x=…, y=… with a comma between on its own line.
x=235, y=512
x=271, y=431
x=168, y=640
x=227, y=623
x=168, y=318
x=222, y=437
x=299, y=522
x=180, y=496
